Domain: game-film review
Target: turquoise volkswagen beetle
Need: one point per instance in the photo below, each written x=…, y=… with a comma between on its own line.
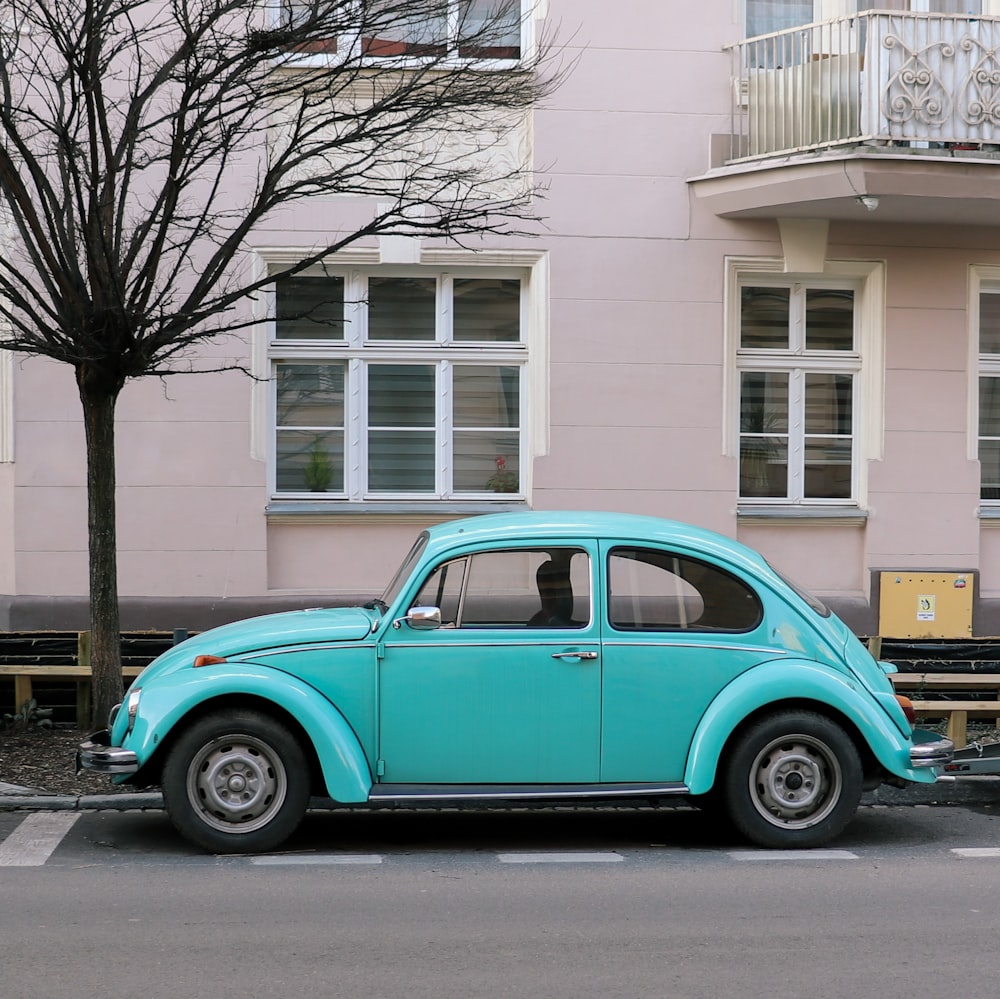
x=541, y=656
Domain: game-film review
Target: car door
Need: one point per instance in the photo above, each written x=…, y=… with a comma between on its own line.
x=508, y=688
x=676, y=630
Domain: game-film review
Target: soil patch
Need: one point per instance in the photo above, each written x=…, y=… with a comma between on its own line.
x=45, y=760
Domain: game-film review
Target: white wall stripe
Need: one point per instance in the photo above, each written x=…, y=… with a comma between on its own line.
x=33, y=841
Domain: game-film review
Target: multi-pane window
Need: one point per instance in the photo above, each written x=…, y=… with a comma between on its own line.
x=797, y=363
x=989, y=394
x=399, y=386
x=469, y=29
x=437, y=29
x=765, y=16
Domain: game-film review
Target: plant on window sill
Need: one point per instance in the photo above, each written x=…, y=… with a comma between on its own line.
x=756, y=453
x=503, y=480
x=319, y=468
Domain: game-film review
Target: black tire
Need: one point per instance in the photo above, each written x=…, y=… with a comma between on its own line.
x=236, y=782
x=793, y=781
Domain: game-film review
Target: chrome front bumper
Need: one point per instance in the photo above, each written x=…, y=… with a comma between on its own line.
x=99, y=755
x=936, y=751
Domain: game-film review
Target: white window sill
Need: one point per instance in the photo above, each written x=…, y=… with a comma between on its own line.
x=397, y=511
x=809, y=516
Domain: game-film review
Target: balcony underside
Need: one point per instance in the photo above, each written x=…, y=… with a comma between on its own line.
x=923, y=189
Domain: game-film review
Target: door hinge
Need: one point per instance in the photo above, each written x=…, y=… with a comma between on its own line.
x=380, y=650
x=380, y=768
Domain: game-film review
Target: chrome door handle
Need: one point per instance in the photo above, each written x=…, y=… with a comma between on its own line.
x=574, y=655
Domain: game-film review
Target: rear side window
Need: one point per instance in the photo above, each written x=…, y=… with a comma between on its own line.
x=652, y=590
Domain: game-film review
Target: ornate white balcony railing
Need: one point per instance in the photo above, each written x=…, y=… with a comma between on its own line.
x=917, y=80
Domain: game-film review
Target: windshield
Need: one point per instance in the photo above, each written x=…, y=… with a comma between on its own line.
x=814, y=602
x=403, y=572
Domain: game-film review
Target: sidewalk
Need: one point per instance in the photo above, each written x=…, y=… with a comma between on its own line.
x=966, y=791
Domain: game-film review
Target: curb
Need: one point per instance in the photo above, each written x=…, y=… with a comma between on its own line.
x=974, y=790
x=74, y=803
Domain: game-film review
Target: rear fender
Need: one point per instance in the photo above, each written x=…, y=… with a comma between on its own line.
x=779, y=682
x=169, y=699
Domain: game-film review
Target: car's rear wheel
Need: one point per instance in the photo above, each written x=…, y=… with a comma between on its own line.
x=793, y=781
x=236, y=782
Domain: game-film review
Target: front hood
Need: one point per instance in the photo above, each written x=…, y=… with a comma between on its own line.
x=242, y=639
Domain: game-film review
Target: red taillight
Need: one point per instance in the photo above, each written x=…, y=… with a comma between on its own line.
x=907, y=705
x=207, y=661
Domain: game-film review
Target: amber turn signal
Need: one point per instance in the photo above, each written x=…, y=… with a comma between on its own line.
x=207, y=661
x=907, y=705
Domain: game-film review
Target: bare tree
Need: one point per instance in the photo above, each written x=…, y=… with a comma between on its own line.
x=120, y=122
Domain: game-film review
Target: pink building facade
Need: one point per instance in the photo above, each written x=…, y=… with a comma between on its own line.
x=765, y=299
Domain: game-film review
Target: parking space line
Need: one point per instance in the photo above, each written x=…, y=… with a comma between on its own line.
x=560, y=858
x=289, y=860
x=792, y=855
x=33, y=841
x=977, y=851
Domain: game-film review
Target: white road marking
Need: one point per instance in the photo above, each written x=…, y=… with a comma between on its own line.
x=560, y=858
x=793, y=855
x=287, y=860
x=33, y=841
x=977, y=851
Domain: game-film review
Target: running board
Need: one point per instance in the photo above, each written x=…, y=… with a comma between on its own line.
x=382, y=793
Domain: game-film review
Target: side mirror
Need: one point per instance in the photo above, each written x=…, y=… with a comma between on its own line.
x=421, y=618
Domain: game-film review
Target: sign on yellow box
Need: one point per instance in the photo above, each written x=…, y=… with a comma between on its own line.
x=925, y=604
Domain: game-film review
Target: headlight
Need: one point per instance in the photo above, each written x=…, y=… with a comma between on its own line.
x=132, y=706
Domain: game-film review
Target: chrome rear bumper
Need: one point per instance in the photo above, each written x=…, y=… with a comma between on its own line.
x=935, y=752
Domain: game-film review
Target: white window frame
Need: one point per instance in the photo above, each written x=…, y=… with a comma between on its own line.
x=349, y=45
x=6, y=406
x=982, y=280
x=746, y=4
x=865, y=363
x=6, y=368
x=825, y=9
x=530, y=354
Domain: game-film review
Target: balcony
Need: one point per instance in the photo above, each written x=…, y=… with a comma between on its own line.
x=877, y=116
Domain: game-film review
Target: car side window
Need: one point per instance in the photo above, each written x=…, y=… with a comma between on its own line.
x=522, y=588
x=652, y=590
x=443, y=589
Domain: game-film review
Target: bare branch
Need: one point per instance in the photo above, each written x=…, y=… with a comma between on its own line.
x=123, y=122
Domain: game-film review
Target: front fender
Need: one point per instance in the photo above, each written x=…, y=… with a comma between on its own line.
x=799, y=680
x=169, y=699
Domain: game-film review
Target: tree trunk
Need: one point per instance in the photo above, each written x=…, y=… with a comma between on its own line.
x=106, y=657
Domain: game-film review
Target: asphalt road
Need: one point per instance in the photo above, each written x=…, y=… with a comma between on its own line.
x=501, y=904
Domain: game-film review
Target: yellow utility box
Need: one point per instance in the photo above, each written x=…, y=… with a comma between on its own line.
x=925, y=604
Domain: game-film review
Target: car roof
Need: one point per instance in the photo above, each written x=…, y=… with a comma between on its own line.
x=532, y=526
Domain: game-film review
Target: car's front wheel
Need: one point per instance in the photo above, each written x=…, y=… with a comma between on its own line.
x=236, y=782
x=793, y=780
